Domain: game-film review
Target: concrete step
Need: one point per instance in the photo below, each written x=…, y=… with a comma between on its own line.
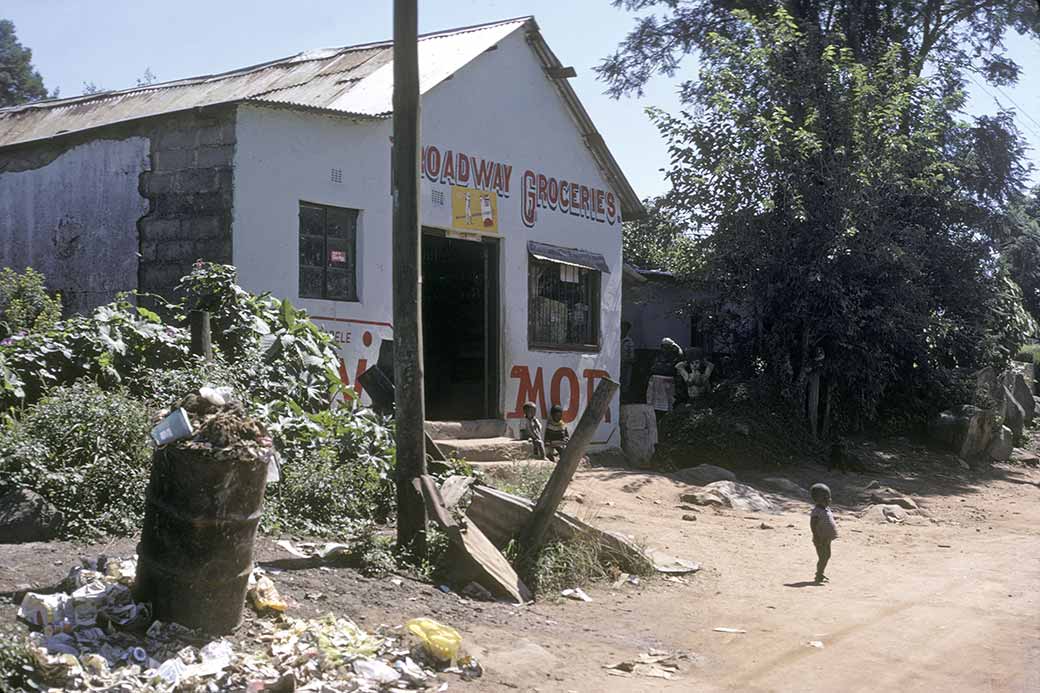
x=497, y=449
x=479, y=428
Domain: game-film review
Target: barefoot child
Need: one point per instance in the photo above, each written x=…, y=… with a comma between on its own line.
x=533, y=430
x=555, y=432
x=824, y=529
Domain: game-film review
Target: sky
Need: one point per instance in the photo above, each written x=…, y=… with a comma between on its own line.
x=112, y=42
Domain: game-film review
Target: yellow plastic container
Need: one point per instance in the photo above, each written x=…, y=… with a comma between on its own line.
x=441, y=641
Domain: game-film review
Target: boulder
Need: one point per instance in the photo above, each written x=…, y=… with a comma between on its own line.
x=966, y=430
x=787, y=487
x=1002, y=445
x=988, y=391
x=27, y=516
x=638, y=433
x=886, y=496
x=1022, y=393
x=730, y=494
x=1014, y=415
x=885, y=513
x=1025, y=457
x=703, y=474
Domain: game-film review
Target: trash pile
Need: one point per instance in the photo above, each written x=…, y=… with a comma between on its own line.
x=94, y=636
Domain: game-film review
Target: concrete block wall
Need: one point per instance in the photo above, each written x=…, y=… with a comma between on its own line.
x=190, y=196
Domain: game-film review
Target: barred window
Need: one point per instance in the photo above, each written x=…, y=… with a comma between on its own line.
x=328, y=252
x=564, y=306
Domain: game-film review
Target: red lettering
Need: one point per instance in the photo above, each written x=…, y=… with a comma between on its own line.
x=543, y=194
x=599, y=205
x=528, y=391
x=611, y=209
x=483, y=173
x=574, y=200
x=529, y=201
x=433, y=163
x=462, y=169
x=508, y=174
x=565, y=195
x=570, y=413
x=591, y=376
x=584, y=201
x=496, y=182
x=554, y=192
x=448, y=173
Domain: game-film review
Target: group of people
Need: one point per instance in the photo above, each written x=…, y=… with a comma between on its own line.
x=677, y=378
x=548, y=442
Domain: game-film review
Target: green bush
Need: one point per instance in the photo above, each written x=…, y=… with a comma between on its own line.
x=25, y=305
x=87, y=452
x=16, y=662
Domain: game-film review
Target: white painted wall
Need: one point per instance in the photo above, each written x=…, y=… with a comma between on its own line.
x=500, y=107
x=97, y=186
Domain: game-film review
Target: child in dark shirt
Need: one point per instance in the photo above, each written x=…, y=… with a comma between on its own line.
x=556, y=435
x=824, y=529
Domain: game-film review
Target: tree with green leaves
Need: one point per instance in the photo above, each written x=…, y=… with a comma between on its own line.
x=660, y=240
x=1022, y=252
x=20, y=82
x=855, y=214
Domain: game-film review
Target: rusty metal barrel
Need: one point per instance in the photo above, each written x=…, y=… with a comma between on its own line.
x=196, y=549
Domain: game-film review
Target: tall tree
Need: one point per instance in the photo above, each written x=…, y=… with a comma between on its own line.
x=968, y=34
x=661, y=240
x=19, y=80
x=855, y=214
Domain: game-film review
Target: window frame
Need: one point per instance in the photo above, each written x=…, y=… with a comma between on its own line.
x=352, y=245
x=595, y=310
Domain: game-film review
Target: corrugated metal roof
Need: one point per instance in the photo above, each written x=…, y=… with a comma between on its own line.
x=354, y=80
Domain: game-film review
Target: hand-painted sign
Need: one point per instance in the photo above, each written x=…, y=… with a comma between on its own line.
x=474, y=210
x=464, y=171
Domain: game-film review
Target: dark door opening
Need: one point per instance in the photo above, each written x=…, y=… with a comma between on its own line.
x=460, y=327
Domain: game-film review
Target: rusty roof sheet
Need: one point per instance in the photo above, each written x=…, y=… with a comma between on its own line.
x=353, y=80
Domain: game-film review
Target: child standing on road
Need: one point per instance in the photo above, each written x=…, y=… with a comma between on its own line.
x=824, y=529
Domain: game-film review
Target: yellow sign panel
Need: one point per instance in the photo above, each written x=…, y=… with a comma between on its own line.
x=474, y=210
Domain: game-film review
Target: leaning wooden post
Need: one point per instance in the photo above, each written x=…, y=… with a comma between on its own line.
x=571, y=456
x=201, y=338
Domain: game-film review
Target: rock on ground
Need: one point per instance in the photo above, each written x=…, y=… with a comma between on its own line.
x=730, y=494
x=886, y=496
x=1023, y=394
x=1014, y=415
x=1002, y=446
x=27, y=516
x=786, y=486
x=885, y=513
x=703, y=474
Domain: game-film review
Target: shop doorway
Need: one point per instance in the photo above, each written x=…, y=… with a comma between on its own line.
x=460, y=327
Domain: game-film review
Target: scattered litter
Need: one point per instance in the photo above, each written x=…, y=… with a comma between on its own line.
x=622, y=579
x=664, y=563
x=815, y=643
x=689, y=517
x=396, y=582
x=576, y=593
x=723, y=629
x=80, y=643
x=652, y=664
x=441, y=641
x=326, y=552
x=174, y=427
x=264, y=595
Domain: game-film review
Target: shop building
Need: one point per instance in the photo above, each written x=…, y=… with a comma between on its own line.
x=283, y=169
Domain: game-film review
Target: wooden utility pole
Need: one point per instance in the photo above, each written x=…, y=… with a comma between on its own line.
x=201, y=337
x=408, y=356
x=552, y=494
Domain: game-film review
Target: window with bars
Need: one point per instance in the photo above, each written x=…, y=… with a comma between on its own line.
x=564, y=307
x=328, y=252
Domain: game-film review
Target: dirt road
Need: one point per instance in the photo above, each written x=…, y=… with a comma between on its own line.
x=948, y=601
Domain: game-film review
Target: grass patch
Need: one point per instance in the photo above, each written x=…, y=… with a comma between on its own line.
x=525, y=480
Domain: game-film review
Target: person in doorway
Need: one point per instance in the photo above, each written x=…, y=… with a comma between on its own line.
x=628, y=359
x=532, y=430
x=660, y=391
x=556, y=434
x=694, y=374
x=824, y=529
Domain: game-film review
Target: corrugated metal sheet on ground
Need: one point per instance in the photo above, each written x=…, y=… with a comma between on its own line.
x=355, y=80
